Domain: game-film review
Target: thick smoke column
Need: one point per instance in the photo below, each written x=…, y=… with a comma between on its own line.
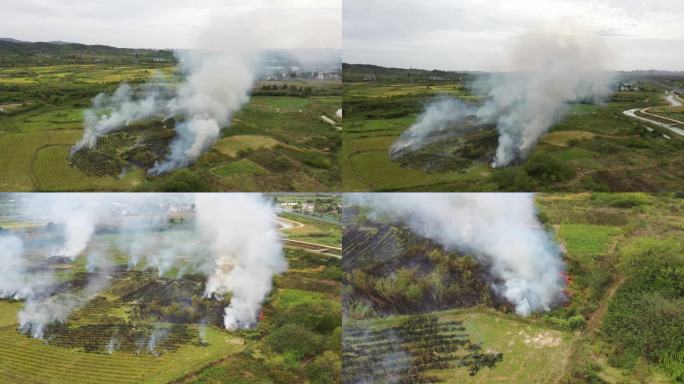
x=74, y=215
x=123, y=109
x=216, y=84
x=13, y=281
x=247, y=252
x=549, y=70
x=439, y=118
x=501, y=230
x=233, y=239
x=218, y=73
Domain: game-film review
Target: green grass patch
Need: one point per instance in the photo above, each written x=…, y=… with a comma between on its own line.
x=240, y=167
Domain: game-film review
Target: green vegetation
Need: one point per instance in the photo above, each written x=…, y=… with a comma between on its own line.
x=29, y=360
x=278, y=141
x=622, y=322
x=595, y=147
x=391, y=270
x=644, y=319
x=297, y=338
x=623, y=253
x=408, y=351
x=529, y=351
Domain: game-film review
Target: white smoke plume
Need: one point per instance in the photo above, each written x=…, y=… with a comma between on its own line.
x=247, y=251
x=218, y=74
x=123, y=109
x=14, y=282
x=74, y=215
x=501, y=230
x=40, y=311
x=232, y=238
x=549, y=69
x=38, y=314
x=158, y=334
x=439, y=119
x=215, y=85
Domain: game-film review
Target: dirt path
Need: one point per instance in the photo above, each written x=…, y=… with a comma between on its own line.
x=584, y=172
x=594, y=322
x=597, y=317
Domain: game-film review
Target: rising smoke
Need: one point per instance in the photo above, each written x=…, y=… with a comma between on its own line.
x=232, y=239
x=218, y=73
x=247, y=253
x=14, y=283
x=500, y=230
x=549, y=70
x=216, y=84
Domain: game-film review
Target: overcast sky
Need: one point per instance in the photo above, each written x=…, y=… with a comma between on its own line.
x=474, y=34
x=171, y=23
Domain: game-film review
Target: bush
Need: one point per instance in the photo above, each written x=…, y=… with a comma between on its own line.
x=180, y=181
x=622, y=200
x=644, y=319
x=295, y=340
x=547, y=170
x=576, y=322
x=321, y=317
x=512, y=179
x=282, y=371
x=325, y=369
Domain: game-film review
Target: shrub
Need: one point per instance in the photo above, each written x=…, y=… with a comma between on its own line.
x=180, y=181
x=325, y=369
x=321, y=316
x=295, y=340
x=622, y=200
x=547, y=170
x=576, y=322
x=511, y=179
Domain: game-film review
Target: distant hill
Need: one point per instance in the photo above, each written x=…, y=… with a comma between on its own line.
x=372, y=73
x=11, y=40
x=15, y=52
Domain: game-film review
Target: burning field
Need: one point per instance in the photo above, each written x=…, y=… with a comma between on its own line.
x=102, y=118
x=161, y=285
x=461, y=288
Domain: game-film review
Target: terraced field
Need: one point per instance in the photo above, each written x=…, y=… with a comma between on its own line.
x=282, y=139
x=595, y=147
x=18, y=156
x=531, y=352
x=147, y=328
x=622, y=257
x=79, y=73
x=27, y=360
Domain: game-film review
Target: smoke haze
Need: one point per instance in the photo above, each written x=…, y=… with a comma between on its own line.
x=247, y=253
x=500, y=230
x=217, y=76
x=231, y=238
x=549, y=70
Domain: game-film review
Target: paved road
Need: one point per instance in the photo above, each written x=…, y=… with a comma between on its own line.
x=323, y=249
x=674, y=101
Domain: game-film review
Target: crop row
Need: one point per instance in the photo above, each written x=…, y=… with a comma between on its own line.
x=95, y=163
x=406, y=352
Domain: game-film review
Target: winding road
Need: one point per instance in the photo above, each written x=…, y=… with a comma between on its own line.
x=322, y=249
x=674, y=101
